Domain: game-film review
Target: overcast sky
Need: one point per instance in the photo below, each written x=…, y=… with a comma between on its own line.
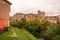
x=51, y=7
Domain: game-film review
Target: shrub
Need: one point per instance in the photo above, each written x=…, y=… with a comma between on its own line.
x=39, y=29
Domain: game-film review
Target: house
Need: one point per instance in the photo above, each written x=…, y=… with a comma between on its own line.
x=58, y=18
x=52, y=19
x=4, y=14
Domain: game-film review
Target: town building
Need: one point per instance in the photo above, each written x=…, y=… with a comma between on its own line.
x=52, y=19
x=39, y=16
x=30, y=16
x=4, y=14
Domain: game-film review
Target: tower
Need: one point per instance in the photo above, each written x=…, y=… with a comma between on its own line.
x=41, y=14
x=38, y=11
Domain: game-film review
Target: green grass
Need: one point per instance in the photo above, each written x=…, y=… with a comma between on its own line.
x=21, y=34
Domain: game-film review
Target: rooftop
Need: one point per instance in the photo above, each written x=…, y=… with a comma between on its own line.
x=7, y=2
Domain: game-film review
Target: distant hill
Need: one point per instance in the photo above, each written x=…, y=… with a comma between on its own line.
x=17, y=34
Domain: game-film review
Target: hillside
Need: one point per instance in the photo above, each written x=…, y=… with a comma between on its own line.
x=17, y=34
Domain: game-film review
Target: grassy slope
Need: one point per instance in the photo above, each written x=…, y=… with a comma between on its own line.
x=21, y=34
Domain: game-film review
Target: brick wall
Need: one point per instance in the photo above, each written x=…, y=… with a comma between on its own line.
x=4, y=10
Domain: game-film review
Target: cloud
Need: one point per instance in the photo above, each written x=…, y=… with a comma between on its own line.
x=26, y=6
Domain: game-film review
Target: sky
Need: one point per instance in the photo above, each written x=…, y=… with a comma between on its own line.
x=50, y=7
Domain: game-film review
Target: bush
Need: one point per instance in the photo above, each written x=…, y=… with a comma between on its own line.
x=56, y=33
x=39, y=29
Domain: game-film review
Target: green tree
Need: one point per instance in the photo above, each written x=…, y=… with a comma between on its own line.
x=21, y=23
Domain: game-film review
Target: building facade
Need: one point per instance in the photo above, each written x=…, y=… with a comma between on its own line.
x=30, y=16
x=39, y=16
x=4, y=14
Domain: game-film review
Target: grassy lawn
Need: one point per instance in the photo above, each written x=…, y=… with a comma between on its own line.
x=17, y=34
